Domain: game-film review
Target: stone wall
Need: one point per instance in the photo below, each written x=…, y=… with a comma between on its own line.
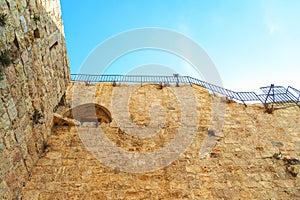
x=34, y=74
x=249, y=155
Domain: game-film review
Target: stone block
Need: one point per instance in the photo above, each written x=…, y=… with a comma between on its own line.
x=2, y=108
x=3, y=189
x=9, y=140
x=11, y=109
x=9, y=34
x=12, y=4
x=23, y=23
x=21, y=108
x=2, y=145
x=15, y=156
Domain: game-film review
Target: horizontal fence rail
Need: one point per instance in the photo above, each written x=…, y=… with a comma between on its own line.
x=278, y=95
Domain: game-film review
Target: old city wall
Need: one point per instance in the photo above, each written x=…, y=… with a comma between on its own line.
x=34, y=74
x=252, y=155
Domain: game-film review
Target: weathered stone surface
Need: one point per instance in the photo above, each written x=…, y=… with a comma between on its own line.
x=25, y=86
x=5, y=121
x=60, y=120
x=239, y=162
x=234, y=158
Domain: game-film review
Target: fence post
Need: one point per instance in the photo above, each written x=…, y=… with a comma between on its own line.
x=265, y=103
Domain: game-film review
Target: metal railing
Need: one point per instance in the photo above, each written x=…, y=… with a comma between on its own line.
x=294, y=92
x=278, y=95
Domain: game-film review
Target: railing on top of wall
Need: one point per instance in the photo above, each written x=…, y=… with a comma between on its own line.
x=277, y=95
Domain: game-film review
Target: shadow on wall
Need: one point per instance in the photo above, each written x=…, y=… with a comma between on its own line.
x=34, y=75
x=89, y=112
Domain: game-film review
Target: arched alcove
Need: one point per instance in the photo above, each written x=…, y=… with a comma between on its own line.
x=89, y=112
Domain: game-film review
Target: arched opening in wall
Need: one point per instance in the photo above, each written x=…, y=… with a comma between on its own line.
x=89, y=113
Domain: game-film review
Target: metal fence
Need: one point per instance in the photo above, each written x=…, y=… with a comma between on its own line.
x=275, y=95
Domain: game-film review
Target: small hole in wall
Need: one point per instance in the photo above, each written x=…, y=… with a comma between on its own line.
x=53, y=45
x=36, y=33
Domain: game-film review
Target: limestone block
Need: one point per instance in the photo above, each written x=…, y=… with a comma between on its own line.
x=31, y=4
x=15, y=17
x=5, y=121
x=3, y=190
x=60, y=120
x=10, y=75
x=9, y=140
x=285, y=183
x=55, y=37
x=9, y=34
x=21, y=4
x=21, y=108
x=12, y=4
x=24, y=56
x=3, y=86
x=2, y=145
x=16, y=156
x=2, y=41
x=2, y=108
x=11, y=109
x=23, y=24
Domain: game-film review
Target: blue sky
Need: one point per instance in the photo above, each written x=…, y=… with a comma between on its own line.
x=252, y=43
